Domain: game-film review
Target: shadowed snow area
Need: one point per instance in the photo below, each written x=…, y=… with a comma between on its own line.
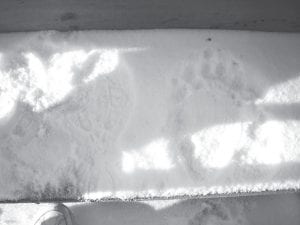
x=125, y=114
x=252, y=210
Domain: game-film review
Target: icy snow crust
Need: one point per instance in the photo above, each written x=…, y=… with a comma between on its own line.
x=119, y=114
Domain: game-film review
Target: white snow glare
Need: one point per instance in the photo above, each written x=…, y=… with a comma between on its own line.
x=43, y=84
x=285, y=93
x=153, y=156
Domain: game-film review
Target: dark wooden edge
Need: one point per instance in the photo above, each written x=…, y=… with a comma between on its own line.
x=136, y=199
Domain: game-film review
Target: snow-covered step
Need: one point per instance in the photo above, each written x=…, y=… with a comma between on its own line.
x=271, y=209
x=124, y=114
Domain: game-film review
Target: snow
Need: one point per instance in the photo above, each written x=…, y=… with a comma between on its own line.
x=153, y=156
x=251, y=210
x=125, y=114
x=285, y=93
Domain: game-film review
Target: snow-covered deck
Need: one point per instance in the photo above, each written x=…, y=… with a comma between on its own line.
x=120, y=114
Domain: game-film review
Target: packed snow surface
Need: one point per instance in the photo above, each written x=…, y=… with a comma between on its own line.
x=125, y=114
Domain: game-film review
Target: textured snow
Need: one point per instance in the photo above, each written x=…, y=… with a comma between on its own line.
x=285, y=93
x=124, y=114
